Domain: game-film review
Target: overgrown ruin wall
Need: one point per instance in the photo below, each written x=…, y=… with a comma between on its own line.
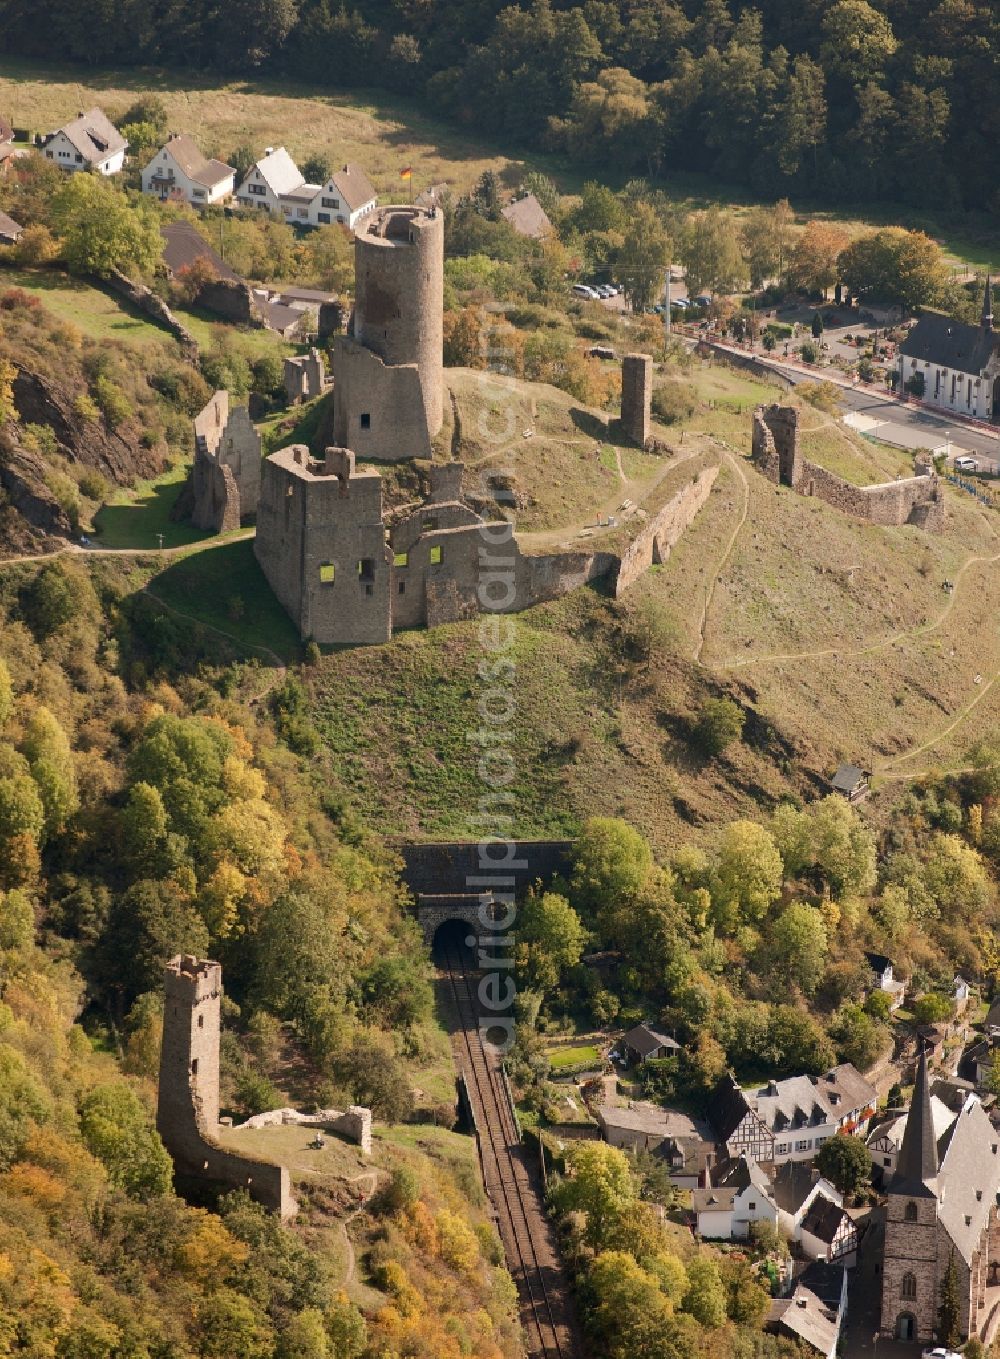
x=187, y=1112
x=657, y=539
x=917, y=500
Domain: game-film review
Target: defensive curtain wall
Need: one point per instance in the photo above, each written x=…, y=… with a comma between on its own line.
x=451, y=880
x=347, y=575
x=225, y=477
x=388, y=396
x=187, y=1112
x=915, y=500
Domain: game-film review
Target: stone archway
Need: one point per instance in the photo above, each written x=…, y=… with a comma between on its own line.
x=471, y=911
x=906, y=1326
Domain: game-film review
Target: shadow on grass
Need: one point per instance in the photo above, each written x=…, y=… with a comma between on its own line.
x=138, y=523
x=225, y=589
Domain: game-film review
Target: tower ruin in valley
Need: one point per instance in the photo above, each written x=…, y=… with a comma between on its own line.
x=225, y=477
x=388, y=397
x=187, y=1111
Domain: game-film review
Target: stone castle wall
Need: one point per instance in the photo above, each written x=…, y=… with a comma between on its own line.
x=917, y=500
x=657, y=539
x=378, y=410
x=187, y=1114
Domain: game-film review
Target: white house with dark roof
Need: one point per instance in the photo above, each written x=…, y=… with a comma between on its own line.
x=789, y=1120
x=276, y=184
x=646, y=1044
x=10, y=231
x=180, y=172
x=528, y=218
x=89, y=142
x=959, y=363
x=886, y=1138
x=739, y=1195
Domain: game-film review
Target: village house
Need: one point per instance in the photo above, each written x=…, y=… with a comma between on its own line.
x=886, y=1138
x=528, y=218
x=739, y=1195
x=183, y=245
x=959, y=363
x=180, y=173
x=89, y=142
x=277, y=185
x=814, y=1313
x=850, y=782
x=685, y=1143
x=10, y=231
x=645, y=1044
x=960, y=992
x=790, y=1119
x=883, y=979
x=942, y=1211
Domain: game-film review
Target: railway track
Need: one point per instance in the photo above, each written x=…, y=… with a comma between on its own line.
x=514, y=1191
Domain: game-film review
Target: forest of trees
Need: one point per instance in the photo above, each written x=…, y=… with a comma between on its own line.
x=842, y=99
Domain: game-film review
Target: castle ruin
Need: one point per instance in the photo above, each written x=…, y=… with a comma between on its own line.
x=637, y=397
x=304, y=377
x=776, y=451
x=388, y=397
x=187, y=1111
x=347, y=573
x=225, y=478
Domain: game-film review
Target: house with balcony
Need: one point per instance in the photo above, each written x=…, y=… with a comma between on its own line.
x=180, y=173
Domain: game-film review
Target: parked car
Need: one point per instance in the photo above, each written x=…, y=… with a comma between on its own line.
x=585, y=290
x=703, y=300
x=965, y=464
x=938, y=1352
x=681, y=302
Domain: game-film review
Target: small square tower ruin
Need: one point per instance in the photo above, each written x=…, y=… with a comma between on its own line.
x=637, y=397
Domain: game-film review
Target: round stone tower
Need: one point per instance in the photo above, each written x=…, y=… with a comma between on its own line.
x=399, y=295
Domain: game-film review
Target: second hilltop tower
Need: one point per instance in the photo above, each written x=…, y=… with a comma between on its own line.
x=388, y=396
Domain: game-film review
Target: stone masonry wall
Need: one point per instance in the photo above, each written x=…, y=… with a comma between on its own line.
x=391, y=397
x=910, y=1248
x=655, y=541
x=637, y=397
x=917, y=500
x=187, y=1113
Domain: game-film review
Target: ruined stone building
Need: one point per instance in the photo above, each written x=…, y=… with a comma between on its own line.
x=305, y=377
x=348, y=573
x=388, y=398
x=917, y=500
x=637, y=397
x=187, y=1111
x=225, y=478
x=942, y=1210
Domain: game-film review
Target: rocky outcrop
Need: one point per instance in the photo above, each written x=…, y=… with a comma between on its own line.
x=41, y=400
x=31, y=519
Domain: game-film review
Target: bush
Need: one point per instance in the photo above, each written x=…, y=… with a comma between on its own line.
x=810, y=352
x=916, y=385
x=719, y=724
x=114, y=404
x=673, y=402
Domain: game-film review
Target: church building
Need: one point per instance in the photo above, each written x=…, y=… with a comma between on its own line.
x=959, y=362
x=942, y=1209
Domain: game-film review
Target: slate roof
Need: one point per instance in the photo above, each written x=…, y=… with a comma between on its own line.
x=9, y=229
x=280, y=172
x=528, y=217
x=353, y=185
x=196, y=166
x=846, y=1081
x=892, y=1128
x=807, y=1317
x=792, y=1183
x=727, y=1106
x=650, y=1118
x=740, y=1173
x=645, y=1040
x=917, y=1165
x=940, y=340
x=717, y=1200
x=793, y=1103
x=993, y=1014
x=279, y=317
x=823, y=1219
x=847, y=778
x=969, y=1177
x=316, y=295
x=94, y=135
x=182, y=245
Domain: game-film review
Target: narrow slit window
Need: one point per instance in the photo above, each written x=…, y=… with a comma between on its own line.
x=366, y=568
x=366, y=420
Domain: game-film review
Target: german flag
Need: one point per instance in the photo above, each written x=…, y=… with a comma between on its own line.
x=407, y=173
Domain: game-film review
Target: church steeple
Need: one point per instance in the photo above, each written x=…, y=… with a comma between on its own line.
x=986, y=320
x=917, y=1167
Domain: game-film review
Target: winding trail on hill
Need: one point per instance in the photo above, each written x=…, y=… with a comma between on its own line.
x=352, y=1260
x=730, y=545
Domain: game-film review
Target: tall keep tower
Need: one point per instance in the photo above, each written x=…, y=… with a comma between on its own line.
x=388, y=397
x=187, y=1110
